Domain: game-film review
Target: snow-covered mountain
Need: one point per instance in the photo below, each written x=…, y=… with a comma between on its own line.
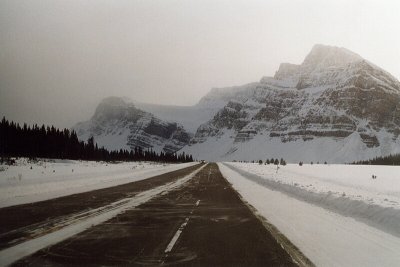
x=191, y=117
x=335, y=106
x=117, y=124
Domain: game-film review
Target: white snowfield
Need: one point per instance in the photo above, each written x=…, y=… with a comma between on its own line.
x=50, y=179
x=337, y=215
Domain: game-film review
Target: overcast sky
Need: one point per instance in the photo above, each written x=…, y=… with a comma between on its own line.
x=58, y=59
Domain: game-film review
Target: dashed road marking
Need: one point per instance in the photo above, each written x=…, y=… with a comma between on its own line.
x=176, y=236
x=179, y=232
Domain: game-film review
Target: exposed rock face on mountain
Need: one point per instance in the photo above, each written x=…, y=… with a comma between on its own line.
x=191, y=117
x=335, y=106
x=117, y=124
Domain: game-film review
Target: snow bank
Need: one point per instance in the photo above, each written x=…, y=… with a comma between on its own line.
x=55, y=178
x=345, y=189
x=326, y=238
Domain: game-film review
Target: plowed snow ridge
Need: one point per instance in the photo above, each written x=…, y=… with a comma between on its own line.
x=384, y=218
x=325, y=237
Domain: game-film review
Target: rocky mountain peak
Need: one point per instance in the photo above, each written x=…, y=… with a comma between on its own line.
x=117, y=124
x=116, y=108
x=286, y=70
x=324, y=56
x=336, y=105
x=321, y=64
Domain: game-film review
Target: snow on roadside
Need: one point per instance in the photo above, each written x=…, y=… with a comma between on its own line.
x=12, y=254
x=326, y=238
x=343, y=189
x=352, y=181
x=49, y=179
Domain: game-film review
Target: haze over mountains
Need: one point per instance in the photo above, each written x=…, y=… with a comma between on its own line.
x=334, y=107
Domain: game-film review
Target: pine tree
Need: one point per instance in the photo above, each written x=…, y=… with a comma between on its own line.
x=50, y=142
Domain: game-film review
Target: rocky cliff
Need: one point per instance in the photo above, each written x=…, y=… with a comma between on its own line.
x=334, y=106
x=117, y=124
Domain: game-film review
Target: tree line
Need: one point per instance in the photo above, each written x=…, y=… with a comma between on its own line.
x=267, y=161
x=50, y=142
x=386, y=160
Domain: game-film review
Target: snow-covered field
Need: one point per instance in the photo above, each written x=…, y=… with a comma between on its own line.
x=351, y=181
x=28, y=182
x=336, y=214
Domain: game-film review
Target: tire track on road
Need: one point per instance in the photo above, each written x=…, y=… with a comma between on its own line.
x=23, y=222
x=85, y=220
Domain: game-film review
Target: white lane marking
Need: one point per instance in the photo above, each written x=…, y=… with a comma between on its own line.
x=176, y=236
x=12, y=254
x=179, y=232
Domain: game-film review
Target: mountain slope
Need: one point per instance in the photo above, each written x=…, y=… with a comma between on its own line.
x=190, y=117
x=335, y=106
x=119, y=124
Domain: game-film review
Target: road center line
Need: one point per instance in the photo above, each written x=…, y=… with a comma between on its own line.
x=179, y=232
x=176, y=236
x=14, y=253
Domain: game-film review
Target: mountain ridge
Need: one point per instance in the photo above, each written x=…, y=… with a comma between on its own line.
x=118, y=124
x=335, y=106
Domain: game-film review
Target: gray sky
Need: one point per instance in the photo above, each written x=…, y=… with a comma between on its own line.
x=58, y=59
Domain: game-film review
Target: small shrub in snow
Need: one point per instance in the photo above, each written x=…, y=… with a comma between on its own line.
x=260, y=162
x=8, y=161
x=300, y=163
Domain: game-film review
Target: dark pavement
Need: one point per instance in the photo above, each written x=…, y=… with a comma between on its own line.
x=20, y=223
x=202, y=223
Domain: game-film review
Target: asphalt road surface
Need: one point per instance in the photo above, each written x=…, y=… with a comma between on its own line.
x=203, y=222
x=21, y=223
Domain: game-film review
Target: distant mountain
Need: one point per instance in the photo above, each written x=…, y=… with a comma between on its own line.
x=117, y=124
x=335, y=106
